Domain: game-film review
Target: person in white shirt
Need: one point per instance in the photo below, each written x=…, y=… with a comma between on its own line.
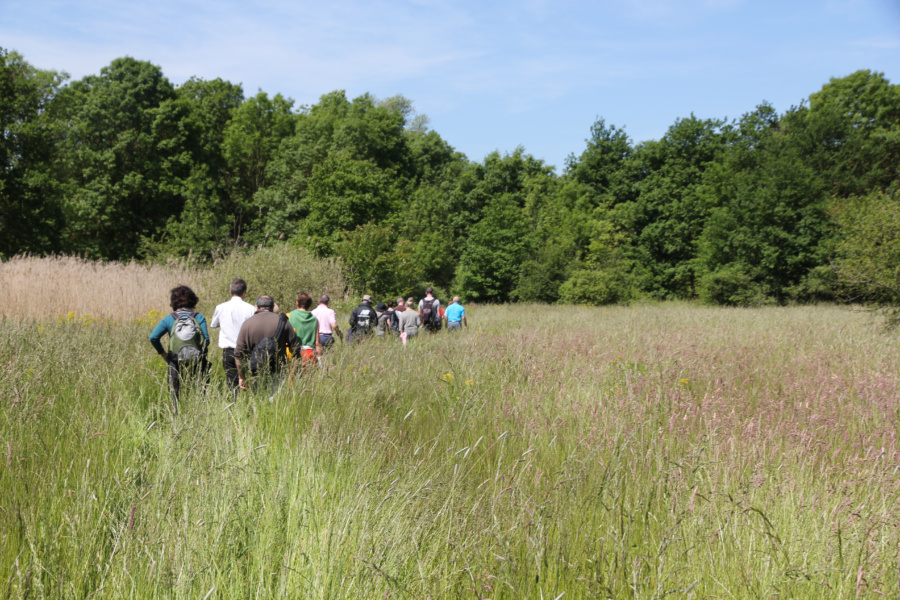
x=328, y=327
x=229, y=316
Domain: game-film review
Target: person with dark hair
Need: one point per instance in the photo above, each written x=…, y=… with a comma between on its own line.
x=230, y=316
x=382, y=323
x=328, y=327
x=430, y=311
x=362, y=320
x=188, y=341
x=306, y=326
x=391, y=321
x=262, y=344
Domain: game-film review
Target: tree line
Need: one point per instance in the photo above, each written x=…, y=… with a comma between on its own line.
x=767, y=208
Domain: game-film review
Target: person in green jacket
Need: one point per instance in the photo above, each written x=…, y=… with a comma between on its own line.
x=306, y=326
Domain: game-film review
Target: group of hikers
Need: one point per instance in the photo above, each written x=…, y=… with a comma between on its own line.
x=258, y=342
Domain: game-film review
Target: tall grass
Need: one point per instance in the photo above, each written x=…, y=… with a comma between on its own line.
x=645, y=452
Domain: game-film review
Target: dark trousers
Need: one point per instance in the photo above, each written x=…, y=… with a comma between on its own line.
x=326, y=339
x=231, y=372
x=185, y=373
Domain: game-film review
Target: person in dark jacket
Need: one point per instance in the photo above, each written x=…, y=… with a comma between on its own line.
x=252, y=338
x=362, y=320
x=391, y=322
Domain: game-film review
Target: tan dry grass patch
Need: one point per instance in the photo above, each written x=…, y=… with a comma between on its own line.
x=49, y=287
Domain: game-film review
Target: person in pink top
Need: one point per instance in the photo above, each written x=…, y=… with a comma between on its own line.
x=328, y=326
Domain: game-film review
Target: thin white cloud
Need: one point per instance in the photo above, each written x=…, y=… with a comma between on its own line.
x=473, y=64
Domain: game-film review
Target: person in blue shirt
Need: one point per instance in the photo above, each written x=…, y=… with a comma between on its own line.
x=183, y=301
x=456, y=316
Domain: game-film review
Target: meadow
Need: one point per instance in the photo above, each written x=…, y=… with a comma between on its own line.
x=659, y=450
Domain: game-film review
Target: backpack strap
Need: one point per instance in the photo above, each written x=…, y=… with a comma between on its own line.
x=282, y=319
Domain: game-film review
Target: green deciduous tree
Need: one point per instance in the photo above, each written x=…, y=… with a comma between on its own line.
x=765, y=234
x=496, y=213
x=669, y=213
x=211, y=215
x=117, y=192
x=867, y=261
x=606, y=166
x=490, y=267
x=252, y=136
x=345, y=193
x=30, y=213
x=375, y=260
x=348, y=163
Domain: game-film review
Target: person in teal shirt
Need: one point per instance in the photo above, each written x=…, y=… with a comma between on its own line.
x=183, y=301
x=456, y=316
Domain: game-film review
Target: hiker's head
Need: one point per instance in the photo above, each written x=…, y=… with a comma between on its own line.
x=183, y=297
x=410, y=301
x=324, y=299
x=265, y=303
x=429, y=291
x=367, y=299
x=456, y=298
x=304, y=301
x=238, y=287
x=392, y=303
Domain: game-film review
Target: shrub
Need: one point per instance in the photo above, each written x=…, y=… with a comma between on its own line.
x=280, y=271
x=732, y=285
x=597, y=287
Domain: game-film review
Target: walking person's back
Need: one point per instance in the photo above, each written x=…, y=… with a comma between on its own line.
x=306, y=326
x=229, y=316
x=430, y=311
x=391, y=320
x=456, y=316
x=188, y=342
x=328, y=327
x=384, y=318
x=262, y=345
x=362, y=320
x=408, y=321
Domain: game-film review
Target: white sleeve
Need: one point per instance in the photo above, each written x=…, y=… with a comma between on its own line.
x=215, y=318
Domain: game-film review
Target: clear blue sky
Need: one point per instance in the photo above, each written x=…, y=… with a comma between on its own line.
x=491, y=75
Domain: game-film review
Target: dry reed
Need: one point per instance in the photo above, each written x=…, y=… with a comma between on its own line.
x=49, y=287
